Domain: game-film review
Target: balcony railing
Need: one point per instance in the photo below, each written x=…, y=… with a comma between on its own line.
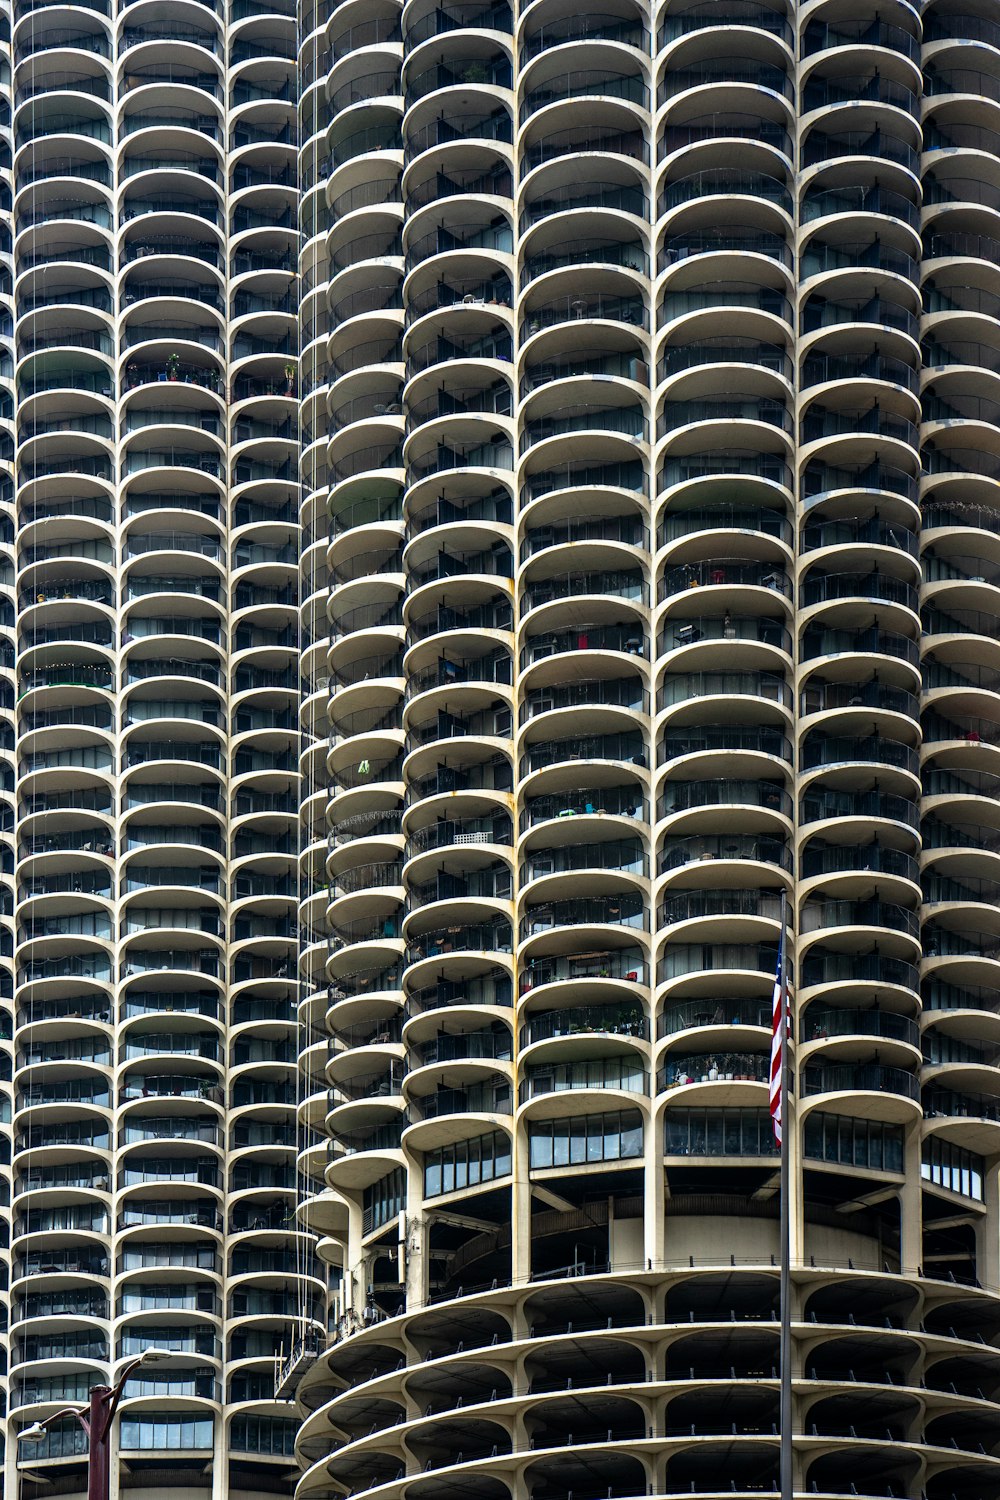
x=612, y=1020
x=628, y=964
x=622, y=1072
x=722, y=1013
x=461, y=937
x=938, y=1102
x=822, y=1022
x=718, y=1067
x=483, y=1098
x=625, y=910
x=857, y=1078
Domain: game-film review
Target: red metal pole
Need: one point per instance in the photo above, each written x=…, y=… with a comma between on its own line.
x=99, y=1436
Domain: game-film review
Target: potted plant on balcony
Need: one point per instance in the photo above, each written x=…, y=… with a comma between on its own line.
x=289, y=380
x=173, y=366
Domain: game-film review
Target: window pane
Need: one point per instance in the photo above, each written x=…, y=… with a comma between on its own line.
x=632, y=1135
x=540, y=1149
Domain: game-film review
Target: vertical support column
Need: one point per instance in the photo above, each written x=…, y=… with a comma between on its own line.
x=910, y=1209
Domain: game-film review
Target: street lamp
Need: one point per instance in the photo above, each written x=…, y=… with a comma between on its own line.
x=96, y=1420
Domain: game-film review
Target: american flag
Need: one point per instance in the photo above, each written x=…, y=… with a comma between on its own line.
x=780, y=1004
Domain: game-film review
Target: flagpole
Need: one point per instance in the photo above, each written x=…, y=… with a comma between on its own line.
x=785, y=1336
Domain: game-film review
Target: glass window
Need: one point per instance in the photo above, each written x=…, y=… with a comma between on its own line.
x=585, y=1138
x=571, y=1149
x=718, y=1132
x=147, y=1433
x=466, y=1164
x=384, y=1200
x=854, y=1143
x=952, y=1167
x=274, y=1435
x=631, y=1137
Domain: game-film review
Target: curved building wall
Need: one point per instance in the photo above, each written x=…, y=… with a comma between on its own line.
x=7, y=692
x=153, y=739
x=649, y=355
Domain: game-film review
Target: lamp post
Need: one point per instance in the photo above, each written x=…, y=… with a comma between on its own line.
x=96, y=1419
